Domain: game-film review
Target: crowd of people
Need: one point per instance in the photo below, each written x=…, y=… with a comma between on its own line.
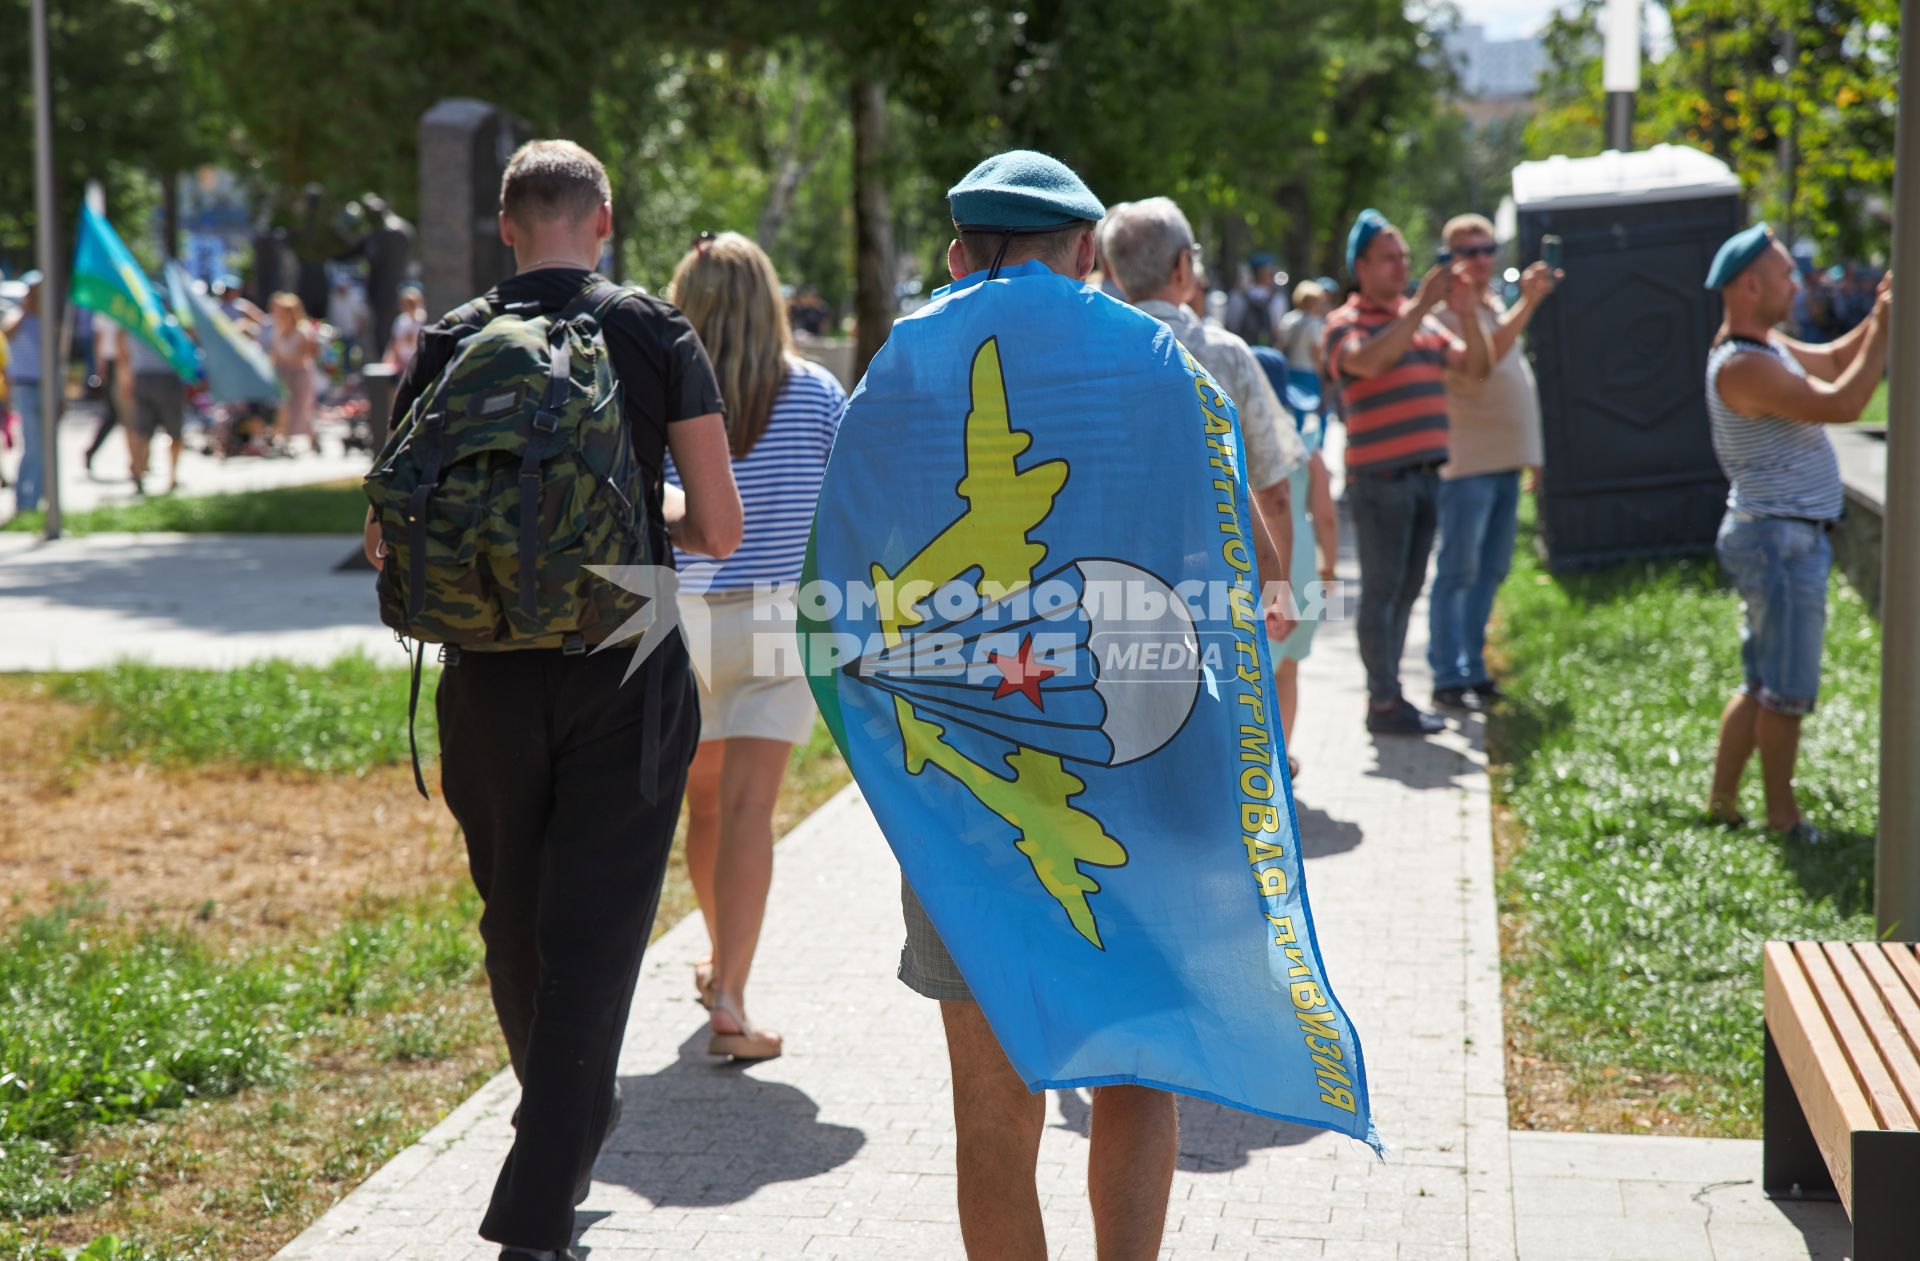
x=1441, y=422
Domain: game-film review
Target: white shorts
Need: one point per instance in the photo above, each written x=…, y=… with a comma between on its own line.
x=747, y=661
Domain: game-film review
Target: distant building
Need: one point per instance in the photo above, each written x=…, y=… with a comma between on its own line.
x=1498, y=77
x=1495, y=67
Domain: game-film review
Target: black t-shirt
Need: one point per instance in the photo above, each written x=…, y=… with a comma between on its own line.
x=663, y=369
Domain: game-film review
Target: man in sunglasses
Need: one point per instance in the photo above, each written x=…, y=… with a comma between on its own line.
x=1493, y=432
x=1390, y=360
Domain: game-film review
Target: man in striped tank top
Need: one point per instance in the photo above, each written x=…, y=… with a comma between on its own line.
x=1390, y=359
x=1767, y=398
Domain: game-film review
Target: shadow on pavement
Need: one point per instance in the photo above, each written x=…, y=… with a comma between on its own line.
x=1213, y=1138
x=758, y=1133
x=1321, y=834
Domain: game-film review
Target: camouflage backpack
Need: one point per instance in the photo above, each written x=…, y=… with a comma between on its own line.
x=506, y=479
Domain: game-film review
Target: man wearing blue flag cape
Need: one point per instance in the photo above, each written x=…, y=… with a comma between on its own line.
x=1032, y=624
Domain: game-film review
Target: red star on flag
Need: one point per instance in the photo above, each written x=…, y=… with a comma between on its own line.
x=1020, y=674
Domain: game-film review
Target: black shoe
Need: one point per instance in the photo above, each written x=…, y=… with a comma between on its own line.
x=1456, y=698
x=1404, y=720
x=534, y=1254
x=1490, y=693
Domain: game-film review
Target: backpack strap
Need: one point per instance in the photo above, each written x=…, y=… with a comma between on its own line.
x=597, y=298
x=546, y=422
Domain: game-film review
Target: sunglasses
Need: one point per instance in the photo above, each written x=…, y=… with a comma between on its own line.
x=1476, y=251
x=703, y=242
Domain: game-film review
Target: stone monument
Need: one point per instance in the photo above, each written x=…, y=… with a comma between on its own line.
x=464, y=147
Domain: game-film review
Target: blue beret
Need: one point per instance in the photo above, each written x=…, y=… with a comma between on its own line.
x=1022, y=189
x=1741, y=251
x=1366, y=226
x=1262, y=259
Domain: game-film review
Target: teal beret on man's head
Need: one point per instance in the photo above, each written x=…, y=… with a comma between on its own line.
x=1367, y=225
x=1741, y=251
x=1022, y=190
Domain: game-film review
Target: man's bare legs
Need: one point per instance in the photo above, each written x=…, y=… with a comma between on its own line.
x=1745, y=726
x=1778, y=736
x=1130, y=1170
x=998, y=1123
x=1730, y=762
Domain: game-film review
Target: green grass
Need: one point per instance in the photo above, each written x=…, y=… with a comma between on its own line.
x=1876, y=412
x=1639, y=925
x=342, y=717
x=102, y=1026
x=333, y=508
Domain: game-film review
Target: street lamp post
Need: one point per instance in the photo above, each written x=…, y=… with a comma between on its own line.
x=1897, y=848
x=1620, y=70
x=53, y=377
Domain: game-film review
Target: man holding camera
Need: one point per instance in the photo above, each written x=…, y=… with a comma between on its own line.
x=1768, y=397
x=1390, y=360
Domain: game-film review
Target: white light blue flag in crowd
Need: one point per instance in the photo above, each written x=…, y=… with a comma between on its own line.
x=237, y=369
x=1032, y=625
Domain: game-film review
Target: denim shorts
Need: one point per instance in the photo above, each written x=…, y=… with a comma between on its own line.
x=1779, y=566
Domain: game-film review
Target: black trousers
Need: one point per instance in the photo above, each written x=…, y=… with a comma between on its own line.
x=540, y=761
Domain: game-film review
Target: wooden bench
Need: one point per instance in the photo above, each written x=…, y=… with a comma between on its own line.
x=1842, y=1111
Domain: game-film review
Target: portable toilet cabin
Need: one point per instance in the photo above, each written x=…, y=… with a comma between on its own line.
x=1620, y=350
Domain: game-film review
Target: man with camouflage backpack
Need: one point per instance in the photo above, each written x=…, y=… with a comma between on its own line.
x=525, y=459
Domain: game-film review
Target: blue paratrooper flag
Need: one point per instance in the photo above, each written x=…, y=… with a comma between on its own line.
x=1032, y=623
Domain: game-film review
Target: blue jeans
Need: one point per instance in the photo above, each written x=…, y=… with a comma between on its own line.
x=1478, y=519
x=27, y=488
x=1779, y=566
x=1393, y=524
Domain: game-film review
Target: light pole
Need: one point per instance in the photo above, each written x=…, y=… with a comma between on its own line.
x=53, y=376
x=1897, y=848
x=1620, y=70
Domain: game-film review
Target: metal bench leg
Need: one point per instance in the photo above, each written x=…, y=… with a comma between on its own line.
x=1791, y=1165
x=1886, y=1174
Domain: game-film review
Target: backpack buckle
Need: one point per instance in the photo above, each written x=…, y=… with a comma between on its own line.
x=545, y=421
x=574, y=645
x=449, y=655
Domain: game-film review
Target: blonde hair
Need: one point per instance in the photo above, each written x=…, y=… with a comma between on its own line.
x=729, y=292
x=289, y=302
x=1307, y=291
x=1460, y=225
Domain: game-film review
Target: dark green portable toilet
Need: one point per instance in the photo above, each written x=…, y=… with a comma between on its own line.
x=1621, y=350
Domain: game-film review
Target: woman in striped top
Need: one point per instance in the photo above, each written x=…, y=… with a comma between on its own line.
x=754, y=701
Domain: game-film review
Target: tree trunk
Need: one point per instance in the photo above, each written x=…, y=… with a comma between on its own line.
x=170, y=215
x=873, y=304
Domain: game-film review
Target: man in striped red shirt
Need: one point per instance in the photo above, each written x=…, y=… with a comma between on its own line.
x=1390, y=361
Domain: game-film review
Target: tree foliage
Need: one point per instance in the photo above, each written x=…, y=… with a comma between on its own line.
x=1797, y=96
x=1271, y=121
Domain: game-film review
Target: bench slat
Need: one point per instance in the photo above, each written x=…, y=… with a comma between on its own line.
x=1906, y=961
x=1889, y=1111
x=1822, y=1077
x=1882, y=1025
x=1900, y=1000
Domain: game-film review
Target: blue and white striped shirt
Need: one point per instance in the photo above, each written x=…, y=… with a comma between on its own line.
x=1777, y=467
x=779, y=483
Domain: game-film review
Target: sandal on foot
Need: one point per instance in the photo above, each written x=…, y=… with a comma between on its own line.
x=703, y=983
x=745, y=1042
